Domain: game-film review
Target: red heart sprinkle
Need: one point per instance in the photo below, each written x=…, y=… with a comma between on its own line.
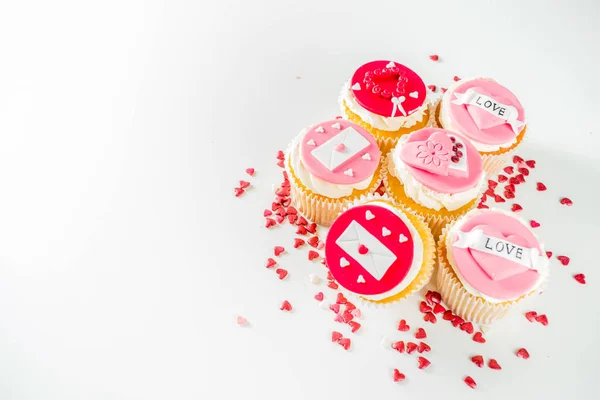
x=283, y=192
x=301, y=221
x=530, y=163
x=520, y=178
x=286, y=306
x=502, y=178
x=432, y=88
x=398, y=376
x=281, y=272
x=434, y=57
x=312, y=228
x=298, y=243
x=275, y=206
x=270, y=263
x=402, y=326
x=332, y=285
x=516, y=207
x=443, y=89
x=420, y=334
x=478, y=360
x=510, y=188
x=542, y=319
x=489, y=192
x=429, y=317
x=433, y=297
x=250, y=171
x=524, y=354
x=362, y=249
x=457, y=321
x=424, y=308
x=354, y=326
x=319, y=296
x=448, y=316
x=517, y=159
x=347, y=316
x=470, y=382
x=481, y=205
x=312, y=255
x=564, y=260
x=423, y=347
x=478, y=337
x=279, y=219
x=350, y=306
x=329, y=276
x=492, y=184
x=339, y=318
x=345, y=343
x=456, y=78
x=411, y=347
x=301, y=230
x=509, y=170
x=423, y=362
x=280, y=164
x=269, y=222
x=530, y=315
x=438, y=309
x=313, y=241
x=541, y=187
x=277, y=250
x=267, y=213
x=340, y=299
x=244, y=184
x=493, y=364
x=566, y=201
x=291, y=210
x=580, y=278
x=280, y=211
x=238, y=192
x=398, y=346
x=280, y=155
x=467, y=327
x=534, y=223
x=524, y=171
x=549, y=254
x=292, y=218
x=499, y=199
x=509, y=195
x=335, y=308
x=513, y=181
x=336, y=336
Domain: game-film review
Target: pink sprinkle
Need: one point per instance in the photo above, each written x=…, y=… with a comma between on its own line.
x=250, y=171
x=241, y=320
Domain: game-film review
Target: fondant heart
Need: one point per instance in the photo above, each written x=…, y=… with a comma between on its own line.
x=432, y=155
x=483, y=118
x=498, y=268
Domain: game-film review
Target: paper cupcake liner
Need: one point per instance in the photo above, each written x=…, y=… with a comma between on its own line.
x=320, y=209
x=436, y=219
x=387, y=139
x=492, y=162
x=429, y=256
x=459, y=300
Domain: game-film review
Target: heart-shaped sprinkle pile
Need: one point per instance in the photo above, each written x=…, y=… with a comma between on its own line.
x=403, y=326
x=362, y=249
x=478, y=360
x=523, y=353
x=580, y=278
x=319, y=296
x=564, y=260
x=286, y=306
x=493, y=364
x=281, y=272
x=423, y=362
x=420, y=334
x=398, y=376
x=470, y=382
x=478, y=337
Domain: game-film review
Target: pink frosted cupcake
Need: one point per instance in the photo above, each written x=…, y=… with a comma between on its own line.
x=436, y=174
x=489, y=261
x=486, y=113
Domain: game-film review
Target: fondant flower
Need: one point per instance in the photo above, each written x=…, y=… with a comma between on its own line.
x=432, y=152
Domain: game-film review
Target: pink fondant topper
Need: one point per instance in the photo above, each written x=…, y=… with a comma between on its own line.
x=441, y=160
x=339, y=152
x=372, y=242
x=388, y=89
x=497, y=255
x=485, y=111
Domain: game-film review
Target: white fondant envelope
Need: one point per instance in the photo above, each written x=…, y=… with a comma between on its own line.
x=353, y=141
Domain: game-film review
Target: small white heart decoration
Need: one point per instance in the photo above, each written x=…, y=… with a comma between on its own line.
x=343, y=262
x=390, y=65
x=336, y=125
x=360, y=279
x=414, y=95
x=369, y=215
x=320, y=129
x=349, y=172
x=385, y=232
x=402, y=238
x=366, y=156
x=311, y=142
x=356, y=86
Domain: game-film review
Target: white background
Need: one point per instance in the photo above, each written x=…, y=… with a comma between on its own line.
x=125, y=258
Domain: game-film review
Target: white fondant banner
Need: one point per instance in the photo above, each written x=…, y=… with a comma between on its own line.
x=477, y=240
x=502, y=111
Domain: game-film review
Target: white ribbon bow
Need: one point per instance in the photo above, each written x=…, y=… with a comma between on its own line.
x=397, y=101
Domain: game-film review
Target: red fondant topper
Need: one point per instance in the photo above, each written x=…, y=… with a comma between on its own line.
x=388, y=89
x=369, y=249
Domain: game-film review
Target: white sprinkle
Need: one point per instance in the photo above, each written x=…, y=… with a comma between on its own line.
x=314, y=279
x=385, y=232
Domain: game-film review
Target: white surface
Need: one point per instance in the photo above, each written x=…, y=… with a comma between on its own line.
x=125, y=258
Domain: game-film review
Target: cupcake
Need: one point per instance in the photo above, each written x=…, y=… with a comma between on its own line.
x=436, y=174
x=486, y=113
x=489, y=261
x=329, y=165
x=387, y=99
x=379, y=252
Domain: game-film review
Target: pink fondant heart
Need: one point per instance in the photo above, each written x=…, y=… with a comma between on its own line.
x=498, y=268
x=483, y=118
x=432, y=155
